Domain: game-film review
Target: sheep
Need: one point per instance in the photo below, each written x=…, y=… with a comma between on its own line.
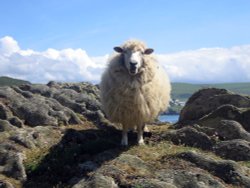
x=134, y=89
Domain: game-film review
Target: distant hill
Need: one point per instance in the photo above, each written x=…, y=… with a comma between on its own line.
x=7, y=81
x=183, y=91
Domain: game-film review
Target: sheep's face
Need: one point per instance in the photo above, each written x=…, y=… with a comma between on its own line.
x=133, y=60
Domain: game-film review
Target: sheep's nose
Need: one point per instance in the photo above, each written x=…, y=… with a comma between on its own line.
x=133, y=64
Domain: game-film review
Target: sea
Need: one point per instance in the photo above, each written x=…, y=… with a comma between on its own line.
x=169, y=118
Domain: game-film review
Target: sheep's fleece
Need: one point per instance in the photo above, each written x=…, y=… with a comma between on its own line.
x=133, y=100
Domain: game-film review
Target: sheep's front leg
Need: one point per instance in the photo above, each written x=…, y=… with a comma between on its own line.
x=140, y=140
x=124, y=136
x=146, y=129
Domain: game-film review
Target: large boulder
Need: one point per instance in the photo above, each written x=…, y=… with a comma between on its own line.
x=222, y=117
x=206, y=101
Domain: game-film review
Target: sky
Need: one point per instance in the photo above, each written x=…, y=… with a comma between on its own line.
x=195, y=41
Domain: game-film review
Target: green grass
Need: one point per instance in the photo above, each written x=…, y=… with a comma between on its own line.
x=6, y=81
x=183, y=91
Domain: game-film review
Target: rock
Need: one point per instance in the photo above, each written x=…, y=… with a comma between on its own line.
x=80, y=97
x=227, y=170
x=229, y=130
x=223, y=129
x=190, y=137
x=125, y=167
x=52, y=104
x=89, y=154
x=152, y=183
x=25, y=94
x=23, y=140
x=138, y=165
x=186, y=178
x=5, y=113
x=37, y=89
x=238, y=150
x=105, y=156
x=83, y=183
x=116, y=172
x=31, y=138
x=12, y=165
x=53, y=84
x=15, y=121
x=101, y=181
x=226, y=112
x=30, y=120
x=5, y=184
x=199, y=180
x=39, y=109
x=65, y=101
x=97, y=181
x=88, y=166
x=206, y=101
x=5, y=126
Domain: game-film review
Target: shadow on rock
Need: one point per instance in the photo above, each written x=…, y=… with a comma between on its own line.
x=77, y=154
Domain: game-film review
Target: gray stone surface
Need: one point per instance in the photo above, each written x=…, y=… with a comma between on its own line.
x=187, y=178
x=11, y=164
x=226, y=112
x=36, y=118
x=5, y=184
x=227, y=170
x=238, y=150
x=189, y=137
x=205, y=101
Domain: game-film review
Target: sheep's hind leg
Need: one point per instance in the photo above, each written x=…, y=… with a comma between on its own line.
x=140, y=140
x=124, y=141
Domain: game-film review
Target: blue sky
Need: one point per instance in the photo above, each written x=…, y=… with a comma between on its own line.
x=170, y=27
x=96, y=26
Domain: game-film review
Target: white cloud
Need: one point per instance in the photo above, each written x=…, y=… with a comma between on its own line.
x=209, y=65
x=41, y=67
x=202, y=65
x=8, y=45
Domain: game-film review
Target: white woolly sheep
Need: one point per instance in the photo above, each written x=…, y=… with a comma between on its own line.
x=134, y=88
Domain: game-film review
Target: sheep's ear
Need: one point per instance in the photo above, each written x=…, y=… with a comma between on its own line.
x=148, y=51
x=118, y=49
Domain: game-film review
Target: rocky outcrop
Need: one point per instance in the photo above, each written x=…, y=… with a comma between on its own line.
x=56, y=135
x=206, y=101
x=131, y=171
x=51, y=104
x=221, y=117
x=32, y=117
